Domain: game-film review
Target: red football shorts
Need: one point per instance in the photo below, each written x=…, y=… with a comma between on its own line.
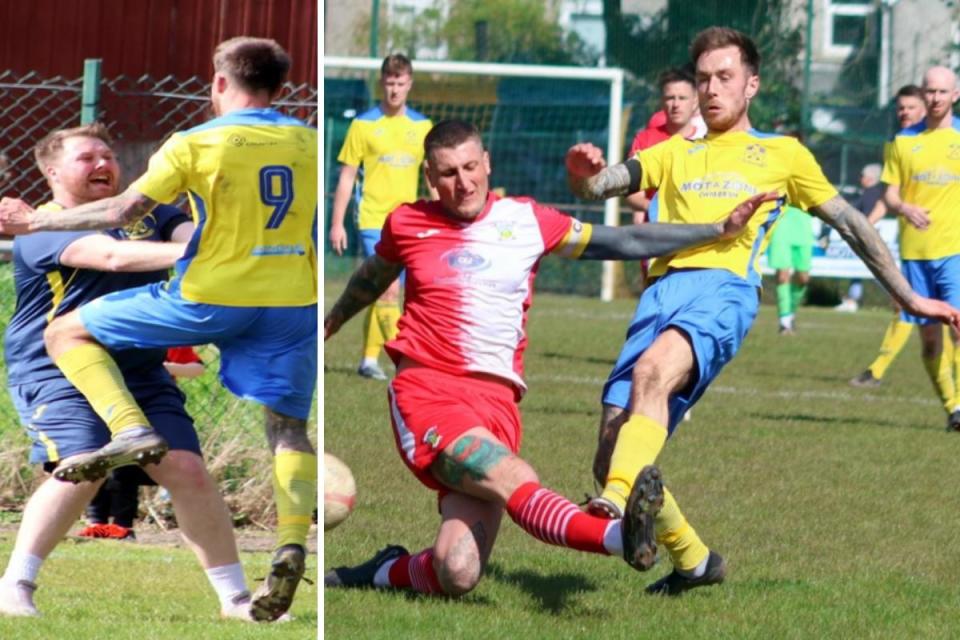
x=430, y=409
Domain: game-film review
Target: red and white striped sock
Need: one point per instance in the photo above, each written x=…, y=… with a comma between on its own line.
x=415, y=572
x=553, y=519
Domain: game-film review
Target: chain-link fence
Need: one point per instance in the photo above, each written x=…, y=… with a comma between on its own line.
x=141, y=113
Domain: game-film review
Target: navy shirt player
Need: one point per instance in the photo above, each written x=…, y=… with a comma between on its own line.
x=55, y=272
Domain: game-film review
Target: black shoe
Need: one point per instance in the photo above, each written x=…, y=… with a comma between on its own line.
x=643, y=505
x=676, y=583
x=274, y=596
x=141, y=446
x=362, y=575
x=953, y=421
x=865, y=380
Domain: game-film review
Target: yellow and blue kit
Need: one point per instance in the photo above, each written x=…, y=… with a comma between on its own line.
x=390, y=150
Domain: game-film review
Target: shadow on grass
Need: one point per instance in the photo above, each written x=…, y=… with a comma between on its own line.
x=553, y=592
x=819, y=419
x=571, y=357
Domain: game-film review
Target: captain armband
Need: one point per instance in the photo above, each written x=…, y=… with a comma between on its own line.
x=575, y=241
x=633, y=168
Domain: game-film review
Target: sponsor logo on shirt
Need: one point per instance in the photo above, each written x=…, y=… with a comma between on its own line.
x=278, y=250
x=719, y=185
x=465, y=260
x=397, y=160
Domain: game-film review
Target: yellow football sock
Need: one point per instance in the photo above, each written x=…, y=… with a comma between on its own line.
x=94, y=373
x=896, y=336
x=372, y=335
x=388, y=315
x=940, y=370
x=673, y=531
x=640, y=441
x=295, y=492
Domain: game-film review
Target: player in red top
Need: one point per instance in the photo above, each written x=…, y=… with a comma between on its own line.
x=470, y=260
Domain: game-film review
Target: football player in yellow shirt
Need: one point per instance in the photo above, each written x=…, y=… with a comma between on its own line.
x=923, y=177
x=246, y=283
x=387, y=141
x=691, y=320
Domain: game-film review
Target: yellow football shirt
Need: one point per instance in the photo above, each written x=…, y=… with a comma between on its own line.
x=925, y=164
x=390, y=148
x=251, y=179
x=701, y=181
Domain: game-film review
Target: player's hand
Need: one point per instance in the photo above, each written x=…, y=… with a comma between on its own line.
x=338, y=239
x=936, y=309
x=917, y=216
x=14, y=216
x=738, y=220
x=584, y=160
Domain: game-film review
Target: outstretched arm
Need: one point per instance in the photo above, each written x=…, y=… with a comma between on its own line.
x=17, y=218
x=854, y=228
x=366, y=284
x=589, y=177
x=634, y=242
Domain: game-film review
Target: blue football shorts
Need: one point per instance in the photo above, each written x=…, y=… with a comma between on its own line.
x=714, y=308
x=369, y=239
x=267, y=354
x=938, y=279
x=61, y=423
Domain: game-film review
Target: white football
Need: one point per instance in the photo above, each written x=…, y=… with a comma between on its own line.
x=339, y=491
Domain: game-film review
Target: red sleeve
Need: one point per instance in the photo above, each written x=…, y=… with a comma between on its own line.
x=182, y=355
x=387, y=247
x=554, y=225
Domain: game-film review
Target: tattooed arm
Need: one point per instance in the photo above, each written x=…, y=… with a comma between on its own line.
x=17, y=218
x=647, y=240
x=367, y=283
x=589, y=177
x=866, y=243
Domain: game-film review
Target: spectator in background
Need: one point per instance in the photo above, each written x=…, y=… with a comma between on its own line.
x=870, y=203
x=387, y=142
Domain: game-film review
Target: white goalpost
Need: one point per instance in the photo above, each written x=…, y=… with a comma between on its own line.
x=613, y=77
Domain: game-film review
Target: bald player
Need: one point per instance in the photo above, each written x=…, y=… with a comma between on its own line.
x=922, y=172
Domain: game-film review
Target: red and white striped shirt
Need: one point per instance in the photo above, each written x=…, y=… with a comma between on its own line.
x=469, y=284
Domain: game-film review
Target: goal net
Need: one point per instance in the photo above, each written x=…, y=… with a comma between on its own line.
x=528, y=115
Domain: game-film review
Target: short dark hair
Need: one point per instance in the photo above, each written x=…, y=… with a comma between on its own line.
x=719, y=37
x=910, y=91
x=447, y=134
x=396, y=64
x=676, y=74
x=256, y=64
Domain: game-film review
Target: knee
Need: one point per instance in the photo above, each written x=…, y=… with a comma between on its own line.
x=647, y=378
x=182, y=471
x=458, y=574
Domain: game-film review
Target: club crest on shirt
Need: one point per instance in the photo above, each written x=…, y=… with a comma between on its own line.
x=755, y=154
x=142, y=228
x=465, y=260
x=953, y=151
x=505, y=229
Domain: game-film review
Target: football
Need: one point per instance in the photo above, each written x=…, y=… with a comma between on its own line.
x=339, y=491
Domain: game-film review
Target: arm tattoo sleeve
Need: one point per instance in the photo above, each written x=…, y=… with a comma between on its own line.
x=367, y=283
x=866, y=243
x=618, y=180
x=638, y=241
x=108, y=213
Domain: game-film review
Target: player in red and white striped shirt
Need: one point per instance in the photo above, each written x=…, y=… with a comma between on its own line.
x=471, y=258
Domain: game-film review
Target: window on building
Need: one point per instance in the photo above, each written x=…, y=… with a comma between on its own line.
x=845, y=25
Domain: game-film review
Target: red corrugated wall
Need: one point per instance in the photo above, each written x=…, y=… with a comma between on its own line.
x=155, y=37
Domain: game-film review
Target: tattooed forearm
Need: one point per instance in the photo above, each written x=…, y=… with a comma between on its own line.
x=108, y=213
x=471, y=456
x=612, y=181
x=866, y=243
x=634, y=242
x=367, y=283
